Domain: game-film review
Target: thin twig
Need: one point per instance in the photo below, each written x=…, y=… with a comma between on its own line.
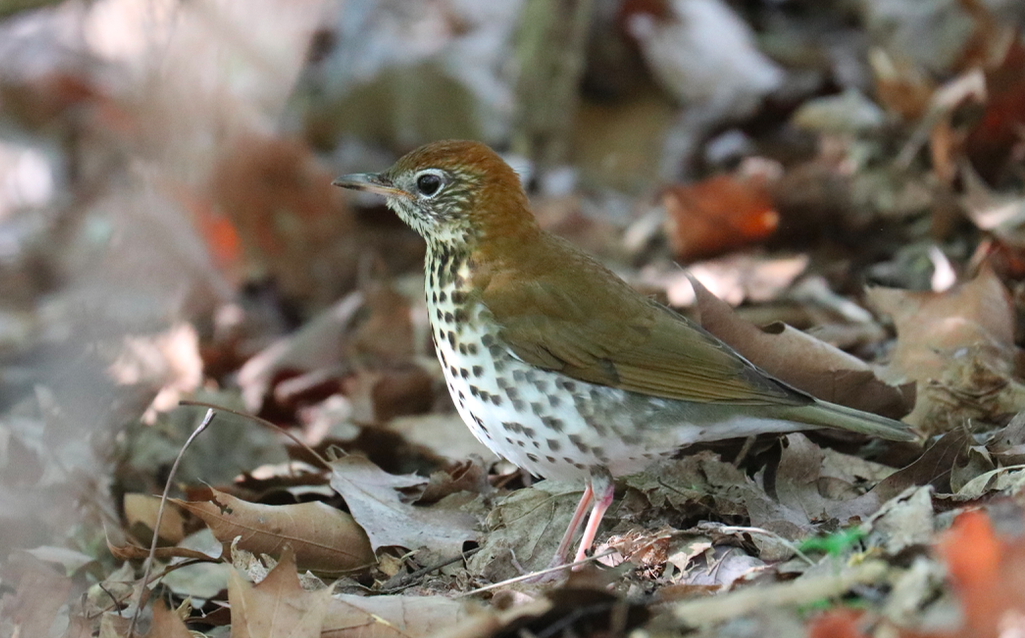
x=533, y=575
x=409, y=579
x=267, y=424
x=160, y=515
x=760, y=531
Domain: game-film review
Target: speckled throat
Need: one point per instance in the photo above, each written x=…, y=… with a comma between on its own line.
x=543, y=421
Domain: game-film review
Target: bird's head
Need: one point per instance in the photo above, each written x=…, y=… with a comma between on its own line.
x=452, y=192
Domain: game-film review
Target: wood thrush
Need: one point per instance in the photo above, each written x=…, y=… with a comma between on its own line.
x=554, y=362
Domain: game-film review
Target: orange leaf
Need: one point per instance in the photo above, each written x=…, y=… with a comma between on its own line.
x=836, y=623
x=990, y=144
x=717, y=215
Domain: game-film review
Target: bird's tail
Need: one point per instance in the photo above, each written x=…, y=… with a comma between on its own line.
x=831, y=415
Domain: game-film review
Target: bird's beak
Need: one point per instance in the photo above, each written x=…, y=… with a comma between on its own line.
x=370, y=183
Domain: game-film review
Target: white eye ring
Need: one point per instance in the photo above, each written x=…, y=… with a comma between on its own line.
x=429, y=182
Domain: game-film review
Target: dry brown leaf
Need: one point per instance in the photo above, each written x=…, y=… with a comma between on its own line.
x=391, y=616
x=39, y=594
x=320, y=343
x=122, y=548
x=444, y=434
x=1008, y=444
x=379, y=396
x=932, y=468
x=901, y=87
x=324, y=539
x=277, y=606
x=799, y=486
x=717, y=215
x=990, y=145
x=523, y=530
x=291, y=223
x=374, y=500
x=701, y=482
x=958, y=346
x=802, y=360
x=166, y=623
x=370, y=330
x=469, y=475
x=142, y=509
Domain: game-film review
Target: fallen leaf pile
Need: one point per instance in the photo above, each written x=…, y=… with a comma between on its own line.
x=834, y=191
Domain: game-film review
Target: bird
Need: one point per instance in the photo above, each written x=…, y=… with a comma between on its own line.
x=554, y=362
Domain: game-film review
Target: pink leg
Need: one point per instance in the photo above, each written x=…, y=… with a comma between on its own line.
x=604, y=491
x=574, y=524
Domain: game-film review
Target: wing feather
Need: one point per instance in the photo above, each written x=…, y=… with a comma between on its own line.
x=563, y=311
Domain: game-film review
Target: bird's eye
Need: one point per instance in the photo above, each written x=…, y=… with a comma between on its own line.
x=429, y=184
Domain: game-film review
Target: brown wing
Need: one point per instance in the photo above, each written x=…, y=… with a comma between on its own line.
x=563, y=311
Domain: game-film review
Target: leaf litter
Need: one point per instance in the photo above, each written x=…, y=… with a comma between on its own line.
x=270, y=291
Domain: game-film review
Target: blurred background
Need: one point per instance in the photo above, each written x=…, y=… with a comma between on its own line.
x=168, y=229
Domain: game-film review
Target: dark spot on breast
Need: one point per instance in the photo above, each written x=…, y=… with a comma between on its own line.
x=477, y=371
x=461, y=316
x=464, y=373
x=580, y=466
x=434, y=297
x=520, y=443
x=495, y=351
x=442, y=296
x=487, y=340
x=496, y=400
x=519, y=406
x=458, y=297
x=451, y=338
x=448, y=316
x=451, y=369
x=575, y=440
x=532, y=457
x=472, y=348
x=537, y=409
x=475, y=391
x=519, y=376
x=462, y=349
x=476, y=419
x=552, y=423
x=595, y=424
x=550, y=459
x=553, y=445
x=529, y=432
x=512, y=393
x=512, y=426
x=554, y=401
